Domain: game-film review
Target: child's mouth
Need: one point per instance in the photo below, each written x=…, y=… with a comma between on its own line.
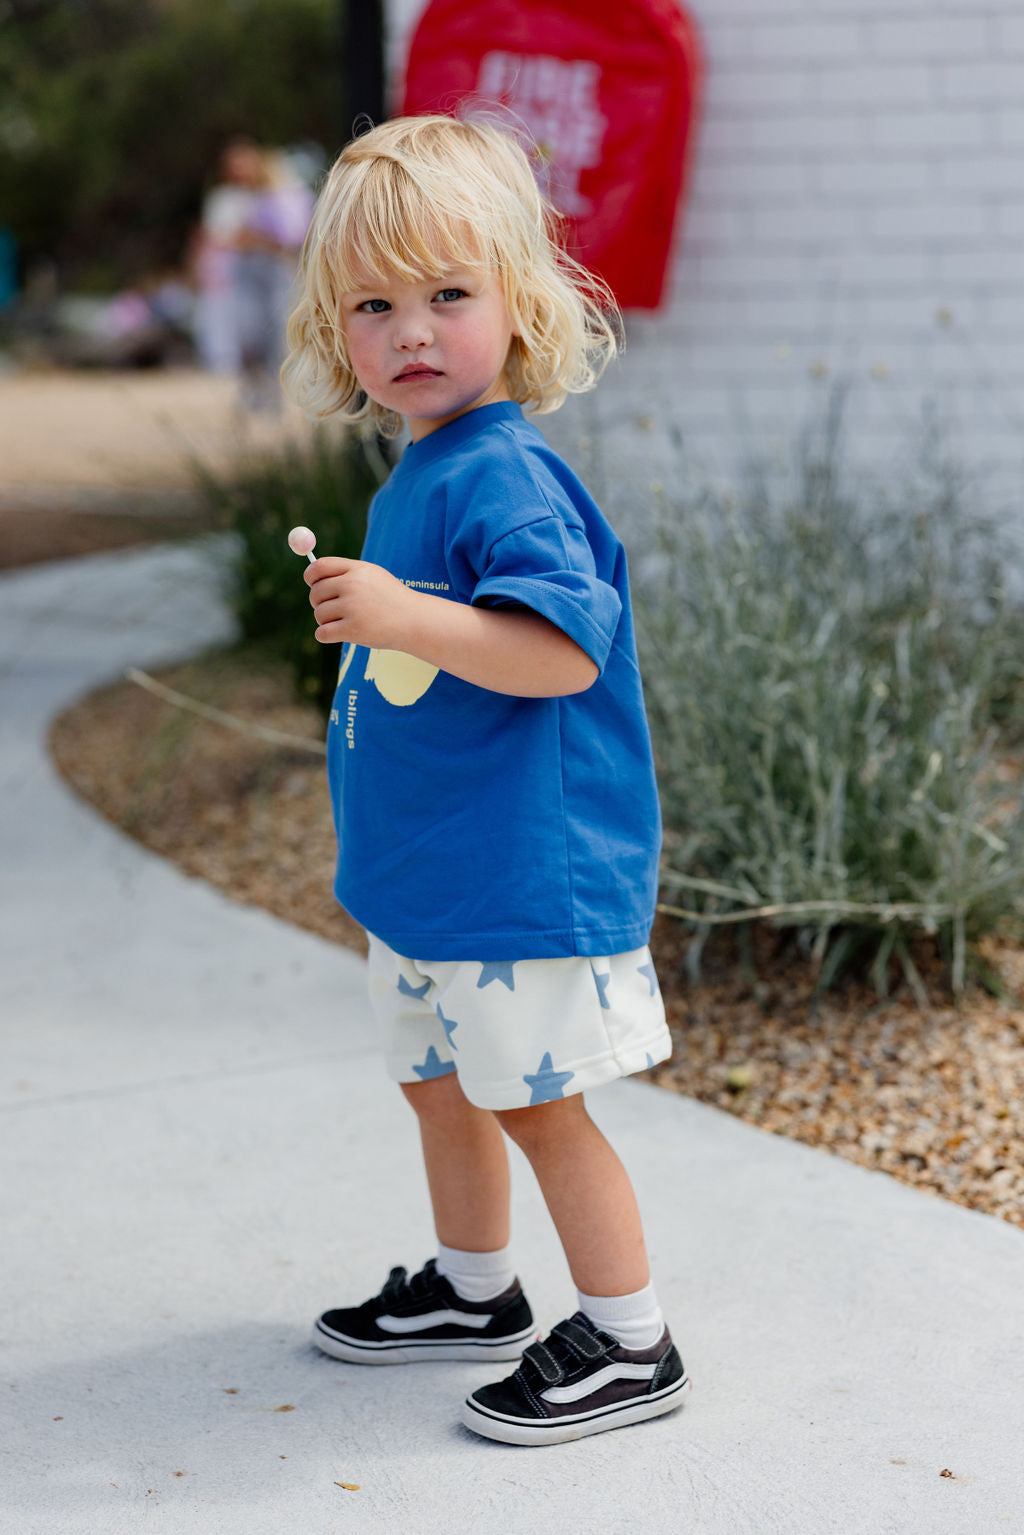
x=416, y=372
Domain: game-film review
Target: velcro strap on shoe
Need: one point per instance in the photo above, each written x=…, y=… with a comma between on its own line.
x=394, y=1283
x=545, y=1363
x=584, y=1343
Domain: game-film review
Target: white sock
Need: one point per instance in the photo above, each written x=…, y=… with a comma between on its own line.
x=635, y=1320
x=475, y=1276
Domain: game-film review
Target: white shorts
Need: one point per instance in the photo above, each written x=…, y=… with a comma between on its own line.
x=520, y=1032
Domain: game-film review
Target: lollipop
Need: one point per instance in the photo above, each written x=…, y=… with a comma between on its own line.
x=302, y=541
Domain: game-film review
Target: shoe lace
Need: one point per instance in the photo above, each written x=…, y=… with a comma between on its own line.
x=567, y=1345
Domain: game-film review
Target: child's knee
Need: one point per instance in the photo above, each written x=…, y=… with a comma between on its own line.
x=437, y=1098
x=539, y=1123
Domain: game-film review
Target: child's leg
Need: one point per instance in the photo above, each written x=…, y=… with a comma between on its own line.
x=588, y=1192
x=614, y=1363
x=467, y=1166
x=467, y=1304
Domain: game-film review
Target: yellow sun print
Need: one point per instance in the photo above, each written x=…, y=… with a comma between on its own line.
x=399, y=678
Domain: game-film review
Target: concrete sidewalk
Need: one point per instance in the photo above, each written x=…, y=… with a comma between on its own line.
x=202, y=1151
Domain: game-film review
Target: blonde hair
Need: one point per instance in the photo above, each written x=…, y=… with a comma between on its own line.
x=414, y=198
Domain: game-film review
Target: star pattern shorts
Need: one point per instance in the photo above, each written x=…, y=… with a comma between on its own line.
x=518, y=1032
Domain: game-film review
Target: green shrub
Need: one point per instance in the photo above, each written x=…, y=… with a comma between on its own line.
x=326, y=486
x=833, y=682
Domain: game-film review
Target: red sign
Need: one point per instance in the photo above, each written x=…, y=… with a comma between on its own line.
x=608, y=90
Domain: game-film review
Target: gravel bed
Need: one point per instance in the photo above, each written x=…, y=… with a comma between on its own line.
x=931, y=1096
x=31, y=535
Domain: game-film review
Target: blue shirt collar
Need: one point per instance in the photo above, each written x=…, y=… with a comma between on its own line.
x=436, y=444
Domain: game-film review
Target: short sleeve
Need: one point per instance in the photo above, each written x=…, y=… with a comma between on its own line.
x=548, y=566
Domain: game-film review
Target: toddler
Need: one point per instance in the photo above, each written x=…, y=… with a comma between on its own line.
x=490, y=765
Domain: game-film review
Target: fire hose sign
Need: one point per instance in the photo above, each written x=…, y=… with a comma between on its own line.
x=607, y=95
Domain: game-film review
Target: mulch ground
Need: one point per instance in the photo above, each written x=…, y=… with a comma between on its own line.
x=28, y=537
x=931, y=1095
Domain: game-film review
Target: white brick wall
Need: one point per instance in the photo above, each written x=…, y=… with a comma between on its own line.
x=857, y=210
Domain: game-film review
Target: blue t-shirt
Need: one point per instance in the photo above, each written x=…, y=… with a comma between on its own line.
x=472, y=824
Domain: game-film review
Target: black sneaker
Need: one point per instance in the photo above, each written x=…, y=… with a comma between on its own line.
x=578, y=1381
x=423, y=1318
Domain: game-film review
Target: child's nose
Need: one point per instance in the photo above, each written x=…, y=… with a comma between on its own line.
x=412, y=333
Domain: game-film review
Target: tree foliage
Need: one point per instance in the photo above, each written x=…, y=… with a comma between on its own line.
x=112, y=114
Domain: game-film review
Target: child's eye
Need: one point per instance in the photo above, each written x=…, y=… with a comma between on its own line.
x=449, y=295
x=374, y=306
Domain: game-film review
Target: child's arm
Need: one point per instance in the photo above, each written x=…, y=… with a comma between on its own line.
x=519, y=653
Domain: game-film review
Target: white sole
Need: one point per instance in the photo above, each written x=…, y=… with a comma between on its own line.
x=493, y=1425
x=354, y=1352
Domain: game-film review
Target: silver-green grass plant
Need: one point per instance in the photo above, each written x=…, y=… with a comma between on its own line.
x=833, y=673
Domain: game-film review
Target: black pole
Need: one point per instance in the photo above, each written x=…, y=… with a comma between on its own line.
x=363, y=65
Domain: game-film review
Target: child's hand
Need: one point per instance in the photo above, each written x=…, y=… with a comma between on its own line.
x=355, y=601
x=520, y=653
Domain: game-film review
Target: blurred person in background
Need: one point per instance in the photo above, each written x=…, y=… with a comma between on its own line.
x=252, y=227
x=224, y=212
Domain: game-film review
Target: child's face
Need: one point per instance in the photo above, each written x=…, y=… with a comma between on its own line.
x=432, y=349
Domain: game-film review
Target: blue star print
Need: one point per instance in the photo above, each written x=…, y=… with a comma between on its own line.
x=648, y=972
x=601, y=982
x=497, y=970
x=450, y=1026
x=433, y=1066
x=547, y=1085
x=419, y=992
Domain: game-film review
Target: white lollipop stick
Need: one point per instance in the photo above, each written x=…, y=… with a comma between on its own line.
x=303, y=541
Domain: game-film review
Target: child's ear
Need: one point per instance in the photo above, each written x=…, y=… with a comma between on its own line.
x=516, y=360
x=523, y=321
